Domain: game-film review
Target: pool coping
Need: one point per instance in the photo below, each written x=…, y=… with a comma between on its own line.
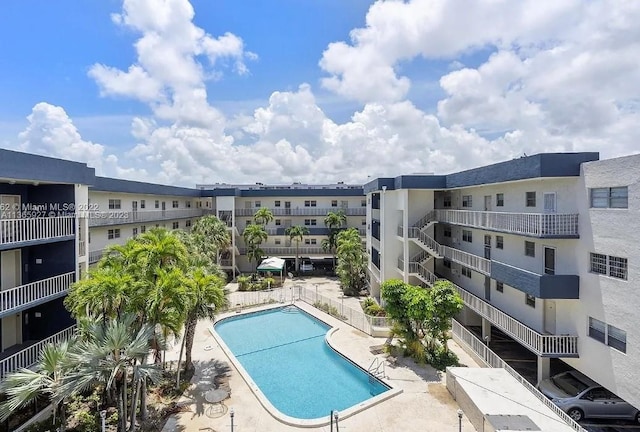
x=264, y=401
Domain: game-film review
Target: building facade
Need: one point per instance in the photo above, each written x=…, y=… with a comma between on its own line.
x=540, y=248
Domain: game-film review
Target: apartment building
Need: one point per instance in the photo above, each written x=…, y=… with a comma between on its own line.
x=291, y=205
x=121, y=209
x=541, y=248
x=42, y=249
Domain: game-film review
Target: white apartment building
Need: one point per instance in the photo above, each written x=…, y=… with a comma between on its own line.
x=543, y=248
x=291, y=205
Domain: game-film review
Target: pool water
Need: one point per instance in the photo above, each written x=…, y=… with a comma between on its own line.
x=285, y=352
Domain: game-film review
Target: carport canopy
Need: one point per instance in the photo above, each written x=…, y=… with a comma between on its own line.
x=272, y=264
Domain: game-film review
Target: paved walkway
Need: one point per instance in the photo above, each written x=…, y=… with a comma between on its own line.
x=424, y=405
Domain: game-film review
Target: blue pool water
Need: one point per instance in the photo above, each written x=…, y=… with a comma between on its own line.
x=285, y=352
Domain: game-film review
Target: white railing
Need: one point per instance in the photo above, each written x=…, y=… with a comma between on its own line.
x=118, y=217
x=305, y=211
x=95, y=256
x=29, y=356
x=420, y=257
x=463, y=336
x=542, y=345
x=291, y=250
x=533, y=224
x=423, y=273
x=82, y=248
x=400, y=231
x=467, y=259
x=425, y=220
x=30, y=229
x=20, y=296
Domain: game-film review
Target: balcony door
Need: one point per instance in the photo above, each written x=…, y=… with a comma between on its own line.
x=487, y=203
x=549, y=260
x=10, y=265
x=134, y=209
x=550, y=316
x=487, y=247
x=287, y=207
x=549, y=199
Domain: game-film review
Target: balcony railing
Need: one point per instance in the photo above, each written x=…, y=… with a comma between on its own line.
x=541, y=344
x=117, y=217
x=20, y=297
x=423, y=273
x=29, y=356
x=94, y=256
x=466, y=259
x=529, y=224
x=33, y=229
x=291, y=250
x=304, y=211
x=82, y=248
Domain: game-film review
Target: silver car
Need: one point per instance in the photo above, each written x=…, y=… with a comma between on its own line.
x=581, y=397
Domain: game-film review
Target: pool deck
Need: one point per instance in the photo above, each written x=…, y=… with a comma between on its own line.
x=424, y=404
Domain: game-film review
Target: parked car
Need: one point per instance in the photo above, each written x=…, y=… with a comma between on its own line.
x=306, y=266
x=581, y=397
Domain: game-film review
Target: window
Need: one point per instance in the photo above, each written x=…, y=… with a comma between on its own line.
x=143, y=229
x=499, y=286
x=530, y=300
x=258, y=204
x=466, y=272
x=310, y=241
x=615, y=197
x=500, y=200
x=364, y=222
x=446, y=263
x=467, y=236
x=617, y=338
x=310, y=222
x=310, y=203
x=175, y=225
x=187, y=204
x=446, y=203
x=529, y=249
x=135, y=232
x=157, y=204
x=277, y=241
x=499, y=242
x=597, y=329
x=467, y=201
x=531, y=199
x=447, y=231
x=613, y=266
x=278, y=222
x=174, y=204
x=187, y=224
x=113, y=233
x=363, y=203
x=276, y=203
x=334, y=203
x=143, y=204
x=247, y=222
x=114, y=204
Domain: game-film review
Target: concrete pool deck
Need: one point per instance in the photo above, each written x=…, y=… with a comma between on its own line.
x=424, y=404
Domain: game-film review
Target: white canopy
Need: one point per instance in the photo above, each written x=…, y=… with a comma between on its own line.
x=272, y=264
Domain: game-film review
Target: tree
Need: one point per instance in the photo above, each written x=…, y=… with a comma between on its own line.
x=210, y=237
x=334, y=222
x=254, y=235
x=395, y=303
x=105, y=292
x=263, y=216
x=444, y=303
x=24, y=386
x=352, y=262
x=296, y=233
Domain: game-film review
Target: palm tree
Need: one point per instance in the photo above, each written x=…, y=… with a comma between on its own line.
x=24, y=386
x=104, y=292
x=210, y=237
x=296, y=233
x=263, y=216
x=254, y=235
x=334, y=222
x=351, y=261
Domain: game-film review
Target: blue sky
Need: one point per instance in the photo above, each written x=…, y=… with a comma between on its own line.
x=314, y=90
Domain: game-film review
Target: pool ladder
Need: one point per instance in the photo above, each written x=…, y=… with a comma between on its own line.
x=376, y=369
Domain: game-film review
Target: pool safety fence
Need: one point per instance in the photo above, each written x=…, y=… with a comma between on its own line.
x=354, y=317
x=468, y=340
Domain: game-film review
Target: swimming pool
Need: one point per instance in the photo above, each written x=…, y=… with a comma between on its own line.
x=285, y=353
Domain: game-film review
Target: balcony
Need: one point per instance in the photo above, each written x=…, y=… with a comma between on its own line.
x=117, y=217
x=26, y=355
x=289, y=250
x=95, y=256
x=22, y=297
x=528, y=224
x=541, y=344
x=304, y=211
x=25, y=230
x=540, y=286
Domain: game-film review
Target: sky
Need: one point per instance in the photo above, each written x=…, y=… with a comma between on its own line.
x=204, y=91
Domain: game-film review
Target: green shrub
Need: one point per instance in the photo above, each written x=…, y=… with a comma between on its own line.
x=440, y=358
x=331, y=310
x=243, y=283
